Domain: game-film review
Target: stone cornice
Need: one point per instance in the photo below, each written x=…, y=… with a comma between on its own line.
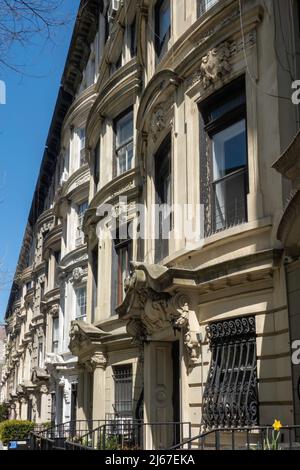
x=46, y=218
x=73, y=259
x=76, y=180
x=126, y=185
x=117, y=92
x=79, y=108
x=52, y=238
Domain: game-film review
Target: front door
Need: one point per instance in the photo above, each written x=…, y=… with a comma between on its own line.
x=161, y=404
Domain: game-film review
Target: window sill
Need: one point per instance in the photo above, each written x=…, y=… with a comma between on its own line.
x=217, y=239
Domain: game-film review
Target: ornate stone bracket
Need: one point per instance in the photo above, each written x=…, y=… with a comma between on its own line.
x=149, y=311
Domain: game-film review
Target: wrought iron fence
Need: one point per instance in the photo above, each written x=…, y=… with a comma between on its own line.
x=243, y=438
x=121, y=434
x=56, y=436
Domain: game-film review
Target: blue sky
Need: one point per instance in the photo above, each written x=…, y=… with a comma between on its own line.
x=24, y=125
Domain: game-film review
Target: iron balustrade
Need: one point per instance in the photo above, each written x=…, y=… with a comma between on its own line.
x=242, y=438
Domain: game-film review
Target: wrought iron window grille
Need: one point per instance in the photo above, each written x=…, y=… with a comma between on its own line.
x=230, y=397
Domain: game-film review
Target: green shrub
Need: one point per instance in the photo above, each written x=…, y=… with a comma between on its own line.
x=13, y=430
x=4, y=413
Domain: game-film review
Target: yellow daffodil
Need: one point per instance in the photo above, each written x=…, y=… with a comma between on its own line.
x=277, y=425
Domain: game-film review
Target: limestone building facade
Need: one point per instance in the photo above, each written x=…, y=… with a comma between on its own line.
x=184, y=104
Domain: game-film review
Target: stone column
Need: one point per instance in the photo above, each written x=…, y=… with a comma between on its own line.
x=44, y=416
x=98, y=362
x=24, y=409
x=80, y=396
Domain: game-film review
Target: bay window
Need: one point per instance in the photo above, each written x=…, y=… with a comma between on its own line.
x=224, y=166
x=124, y=143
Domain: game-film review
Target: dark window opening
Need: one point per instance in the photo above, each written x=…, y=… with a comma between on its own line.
x=230, y=396
x=133, y=42
x=123, y=390
x=97, y=164
x=121, y=258
x=163, y=199
x=95, y=260
x=162, y=26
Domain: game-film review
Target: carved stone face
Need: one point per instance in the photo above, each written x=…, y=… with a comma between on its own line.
x=158, y=121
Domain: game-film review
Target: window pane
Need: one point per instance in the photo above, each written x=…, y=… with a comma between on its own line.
x=125, y=129
x=229, y=150
x=230, y=201
x=81, y=303
x=164, y=19
x=123, y=390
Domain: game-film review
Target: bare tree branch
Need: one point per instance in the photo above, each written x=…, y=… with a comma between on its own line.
x=22, y=20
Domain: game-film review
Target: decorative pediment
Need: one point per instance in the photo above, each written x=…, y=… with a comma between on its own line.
x=84, y=336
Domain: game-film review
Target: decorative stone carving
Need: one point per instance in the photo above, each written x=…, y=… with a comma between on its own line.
x=43, y=389
x=158, y=121
x=98, y=360
x=215, y=64
x=149, y=311
x=54, y=310
x=83, y=335
x=78, y=274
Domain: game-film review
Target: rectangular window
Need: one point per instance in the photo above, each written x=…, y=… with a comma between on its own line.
x=133, y=45
x=80, y=215
x=81, y=303
x=163, y=199
x=121, y=257
x=123, y=390
x=224, y=174
x=40, y=353
x=124, y=143
x=55, y=335
x=204, y=5
x=162, y=26
x=95, y=260
x=97, y=165
x=81, y=134
x=42, y=290
x=57, y=258
x=230, y=397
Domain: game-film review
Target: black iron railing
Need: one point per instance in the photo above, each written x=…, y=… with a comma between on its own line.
x=246, y=438
x=122, y=434
x=55, y=437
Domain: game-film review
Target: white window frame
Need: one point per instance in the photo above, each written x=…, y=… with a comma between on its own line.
x=79, y=315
